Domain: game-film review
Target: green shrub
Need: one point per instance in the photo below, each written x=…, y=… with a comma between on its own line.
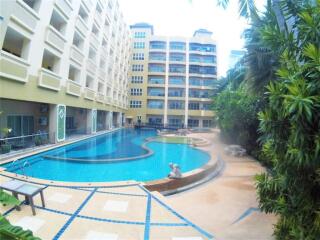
x=5, y=148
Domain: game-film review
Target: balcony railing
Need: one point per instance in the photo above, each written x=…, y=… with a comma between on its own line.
x=76, y=54
x=65, y=6
x=100, y=97
x=13, y=67
x=73, y=88
x=89, y=94
x=25, y=15
x=23, y=142
x=91, y=66
x=55, y=39
x=49, y=80
x=81, y=26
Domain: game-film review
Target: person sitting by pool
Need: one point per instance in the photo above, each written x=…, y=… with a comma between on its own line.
x=175, y=171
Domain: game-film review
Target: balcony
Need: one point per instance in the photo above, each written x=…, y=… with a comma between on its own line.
x=81, y=26
x=200, y=113
x=100, y=97
x=89, y=94
x=88, y=4
x=98, y=19
x=155, y=111
x=49, y=80
x=73, y=88
x=55, y=39
x=65, y=7
x=13, y=67
x=76, y=54
x=102, y=74
x=91, y=66
x=26, y=16
x=176, y=112
x=94, y=41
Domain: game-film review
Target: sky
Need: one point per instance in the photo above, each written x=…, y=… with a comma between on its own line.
x=183, y=17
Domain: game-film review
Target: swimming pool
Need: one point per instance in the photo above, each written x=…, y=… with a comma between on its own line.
x=90, y=156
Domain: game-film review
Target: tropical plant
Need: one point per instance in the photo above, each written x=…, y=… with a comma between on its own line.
x=290, y=126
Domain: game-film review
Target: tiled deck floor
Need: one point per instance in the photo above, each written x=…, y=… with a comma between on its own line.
x=99, y=213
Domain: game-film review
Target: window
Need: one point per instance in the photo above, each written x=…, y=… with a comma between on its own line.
x=158, y=92
x=155, y=80
x=177, y=57
x=207, y=123
x=206, y=106
x=157, y=45
x=175, y=68
x=20, y=125
x=202, y=47
x=135, y=104
x=137, y=68
x=155, y=104
x=136, y=79
x=74, y=74
x=50, y=61
x=175, y=122
x=202, y=70
x=155, y=120
x=193, y=123
x=175, y=92
x=200, y=93
x=194, y=106
x=175, y=104
x=16, y=44
x=157, y=67
x=58, y=22
x=138, y=45
x=178, y=46
x=92, y=54
x=136, y=91
x=102, y=63
x=202, y=58
x=34, y=4
x=176, y=80
x=77, y=40
x=83, y=14
x=157, y=56
x=100, y=88
x=138, y=56
x=95, y=30
x=139, y=35
x=89, y=82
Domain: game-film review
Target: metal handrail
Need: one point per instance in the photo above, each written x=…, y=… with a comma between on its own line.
x=23, y=171
x=24, y=136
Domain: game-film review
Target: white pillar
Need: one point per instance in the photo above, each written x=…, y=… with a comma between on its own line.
x=57, y=123
x=91, y=121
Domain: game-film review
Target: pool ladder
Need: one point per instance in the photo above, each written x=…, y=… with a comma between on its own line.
x=25, y=164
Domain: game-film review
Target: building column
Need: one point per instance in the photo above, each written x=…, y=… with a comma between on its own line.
x=110, y=121
x=57, y=123
x=91, y=121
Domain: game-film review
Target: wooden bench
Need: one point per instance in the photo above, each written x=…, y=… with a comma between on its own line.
x=26, y=189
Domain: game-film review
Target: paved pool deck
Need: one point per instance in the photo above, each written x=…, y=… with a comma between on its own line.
x=223, y=208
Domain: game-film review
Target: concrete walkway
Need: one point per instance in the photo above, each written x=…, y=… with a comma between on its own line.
x=227, y=205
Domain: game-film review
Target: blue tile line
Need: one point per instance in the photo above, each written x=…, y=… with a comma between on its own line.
x=13, y=208
x=112, y=220
x=208, y=235
x=116, y=193
x=147, y=221
x=245, y=214
x=70, y=220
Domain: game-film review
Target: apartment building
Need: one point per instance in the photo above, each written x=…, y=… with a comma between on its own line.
x=63, y=67
x=171, y=78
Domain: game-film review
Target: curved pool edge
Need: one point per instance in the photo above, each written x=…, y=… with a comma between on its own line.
x=168, y=186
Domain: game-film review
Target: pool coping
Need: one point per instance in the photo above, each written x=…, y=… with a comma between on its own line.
x=166, y=185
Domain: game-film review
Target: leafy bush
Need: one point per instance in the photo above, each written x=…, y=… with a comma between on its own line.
x=5, y=148
x=236, y=113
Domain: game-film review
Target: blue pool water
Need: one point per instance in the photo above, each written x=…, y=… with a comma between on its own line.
x=119, y=144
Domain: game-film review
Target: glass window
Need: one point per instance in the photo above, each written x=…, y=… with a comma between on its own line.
x=175, y=104
x=138, y=45
x=202, y=47
x=175, y=122
x=178, y=46
x=155, y=80
x=176, y=68
x=178, y=57
x=193, y=123
x=175, y=92
x=155, y=104
x=157, y=56
x=174, y=80
x=155, y=120
x=20, y=125
x=157, y=45
x=194, y=106
x=159, y=92
x=157, y=67
x=135, y=104
x=202, y=69
x=139, y=35
x=136, y=91
x=136, y=79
